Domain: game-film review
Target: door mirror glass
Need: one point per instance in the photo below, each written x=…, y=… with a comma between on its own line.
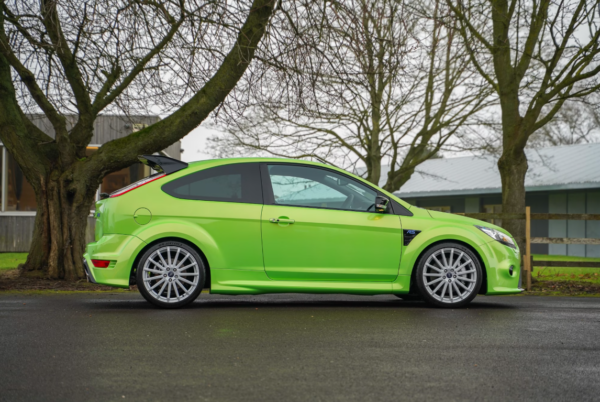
x=381, y=204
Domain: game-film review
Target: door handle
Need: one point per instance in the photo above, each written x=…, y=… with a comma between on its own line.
x=281, y=220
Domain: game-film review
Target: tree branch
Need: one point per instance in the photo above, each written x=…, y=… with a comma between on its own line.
x=123, y=152
x=67, y=59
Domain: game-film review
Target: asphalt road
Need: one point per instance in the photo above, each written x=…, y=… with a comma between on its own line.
x=297, y=348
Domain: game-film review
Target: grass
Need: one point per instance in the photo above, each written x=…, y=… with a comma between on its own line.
x=557, y=274
x=11, y=260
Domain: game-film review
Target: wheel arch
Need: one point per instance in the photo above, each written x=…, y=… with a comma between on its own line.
x=484, y=280
x=136, y=261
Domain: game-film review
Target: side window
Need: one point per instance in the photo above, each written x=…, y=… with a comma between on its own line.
x=399, y=209
x=229, y=183
x=313, y=187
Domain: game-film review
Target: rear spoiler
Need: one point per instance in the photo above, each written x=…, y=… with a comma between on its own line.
x=162, y=164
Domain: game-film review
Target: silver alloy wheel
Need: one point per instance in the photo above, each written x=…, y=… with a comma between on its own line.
x=171, y=274
x=450, y=275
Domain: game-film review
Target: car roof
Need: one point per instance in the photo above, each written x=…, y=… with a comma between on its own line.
x=227, y=161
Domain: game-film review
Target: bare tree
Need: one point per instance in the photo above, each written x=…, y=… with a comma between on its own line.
x=575, y=123
x=535, y=56
x=369, y=82
x=65, y=57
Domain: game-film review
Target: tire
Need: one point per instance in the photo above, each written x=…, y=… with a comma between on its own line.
x=449, y=275
x=171, y=274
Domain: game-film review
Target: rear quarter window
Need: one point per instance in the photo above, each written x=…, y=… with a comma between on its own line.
x=230, y=183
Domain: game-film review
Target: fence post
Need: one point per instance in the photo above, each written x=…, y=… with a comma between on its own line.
x=527, y=260
x=529, y=274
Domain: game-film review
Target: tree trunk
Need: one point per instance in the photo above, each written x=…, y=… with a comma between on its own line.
x=374, y=170
x=63, y=177
x=58, y=240
x=513, y=168
x=398, y=179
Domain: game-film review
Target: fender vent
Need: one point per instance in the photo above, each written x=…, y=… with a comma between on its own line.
x=409, y=235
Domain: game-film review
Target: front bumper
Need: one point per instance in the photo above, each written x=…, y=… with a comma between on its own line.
x=498, y=259
x=121, y=250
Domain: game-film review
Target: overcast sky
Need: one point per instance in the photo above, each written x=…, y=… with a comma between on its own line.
x=194, y=144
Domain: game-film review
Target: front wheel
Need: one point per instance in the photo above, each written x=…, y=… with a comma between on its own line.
x=449, y=275
x=170, y=274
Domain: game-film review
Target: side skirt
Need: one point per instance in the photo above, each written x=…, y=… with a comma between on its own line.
x=246, y=282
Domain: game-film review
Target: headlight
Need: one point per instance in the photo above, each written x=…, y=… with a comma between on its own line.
x=498, y=236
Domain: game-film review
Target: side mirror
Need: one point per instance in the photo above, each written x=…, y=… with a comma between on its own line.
x=381, y=204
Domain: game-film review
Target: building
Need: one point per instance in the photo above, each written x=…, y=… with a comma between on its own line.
x=17, y=198
x=563, y=179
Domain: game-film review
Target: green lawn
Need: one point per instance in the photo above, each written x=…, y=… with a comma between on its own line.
x=591, y=275
x=11, y=260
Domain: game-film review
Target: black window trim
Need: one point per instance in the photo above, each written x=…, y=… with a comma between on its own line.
x=260, y=181
x=269, y=198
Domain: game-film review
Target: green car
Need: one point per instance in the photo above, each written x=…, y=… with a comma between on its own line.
x=258, y=225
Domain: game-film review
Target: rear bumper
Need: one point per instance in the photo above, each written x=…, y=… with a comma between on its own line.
x=88, y=273
x=121, y=250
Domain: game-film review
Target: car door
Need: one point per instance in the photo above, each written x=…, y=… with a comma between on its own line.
x=225, y=203
x=320, y=225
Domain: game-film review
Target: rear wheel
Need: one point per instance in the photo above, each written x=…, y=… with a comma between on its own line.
x=170, y=274
x=449, y=275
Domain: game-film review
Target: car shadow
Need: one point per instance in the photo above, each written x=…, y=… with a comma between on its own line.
x=283, y=303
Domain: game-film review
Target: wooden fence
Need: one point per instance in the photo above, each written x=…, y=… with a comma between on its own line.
x=16, y=233
x=528, y=261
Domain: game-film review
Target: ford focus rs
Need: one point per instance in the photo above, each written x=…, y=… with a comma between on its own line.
x=258, y=225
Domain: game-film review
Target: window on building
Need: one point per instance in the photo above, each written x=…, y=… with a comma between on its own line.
x=17, y=195
x=440, y=209
x=20, y=195
x=493, y=209
x=139, y=126
x=122, y=178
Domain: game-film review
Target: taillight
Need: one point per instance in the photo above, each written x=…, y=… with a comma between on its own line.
x=137, y=184
x=101, y=263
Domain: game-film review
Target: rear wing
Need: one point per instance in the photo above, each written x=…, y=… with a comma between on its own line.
x=162, y=164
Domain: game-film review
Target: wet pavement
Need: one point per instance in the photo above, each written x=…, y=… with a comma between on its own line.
x=98, y=346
